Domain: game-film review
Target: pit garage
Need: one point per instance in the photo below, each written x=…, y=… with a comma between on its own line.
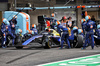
x=49, y=32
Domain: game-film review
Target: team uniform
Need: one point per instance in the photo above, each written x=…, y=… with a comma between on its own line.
x=13, y=23
x=9, y=33
x=90, y=25
x=3, y=34
x=64, y=34
x=4, y=27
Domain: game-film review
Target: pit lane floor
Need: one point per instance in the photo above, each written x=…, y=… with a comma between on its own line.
x=37, y=55
x=93, y=60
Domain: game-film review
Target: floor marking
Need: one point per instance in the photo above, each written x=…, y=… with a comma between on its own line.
x=92, y=60
x=63, y=64
x=89, y=51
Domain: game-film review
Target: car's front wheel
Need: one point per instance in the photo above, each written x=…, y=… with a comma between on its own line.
x=47, y=43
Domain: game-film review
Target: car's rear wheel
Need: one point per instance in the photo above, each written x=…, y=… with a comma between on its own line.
x=79, y=42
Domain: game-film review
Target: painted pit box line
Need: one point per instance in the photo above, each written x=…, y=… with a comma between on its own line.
x=92, y=60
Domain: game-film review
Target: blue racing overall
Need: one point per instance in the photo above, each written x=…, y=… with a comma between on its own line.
x=13, y=23
x=83, y=26
x=90, y=25
x=3, y=34
x=9, y=33
x=64, y=35
x=35, y=31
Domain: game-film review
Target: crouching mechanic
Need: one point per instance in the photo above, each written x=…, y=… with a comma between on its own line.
x=4, y=27
x=9, y=33
x=90, y=25
x=34, y=29
x=28, y=34
x=64, y=34
x=71, y=36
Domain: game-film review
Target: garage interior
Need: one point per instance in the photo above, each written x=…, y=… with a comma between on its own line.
x=76, y=13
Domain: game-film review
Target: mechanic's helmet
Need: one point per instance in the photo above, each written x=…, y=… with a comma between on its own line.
x=82, y=20
x=19, y=31
x=14, y=16
x=55, y=28
x=98, y=26
x=34, y=26
x=30, y=32
x=52, y=15
x=64, y=18
x=27, y=31
x=87, y=17
x=46, y=28
x=75, y=27
x=80, y=31
x=57, y=22
x=5, y=21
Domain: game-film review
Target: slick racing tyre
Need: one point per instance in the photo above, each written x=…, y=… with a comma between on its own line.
x=18, y=42
x=79, y=42
x=47, y=43
x=19, y=47
x=97, y=41
x=9, y=41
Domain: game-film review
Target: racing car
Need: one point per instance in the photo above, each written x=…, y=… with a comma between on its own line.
x=49, y=39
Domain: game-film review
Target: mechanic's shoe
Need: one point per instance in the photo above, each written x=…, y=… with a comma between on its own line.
x=65, y=47
x=83, y=48
x=69, y=48
x=3, y=46
x=92, y=48
x=60, y=48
